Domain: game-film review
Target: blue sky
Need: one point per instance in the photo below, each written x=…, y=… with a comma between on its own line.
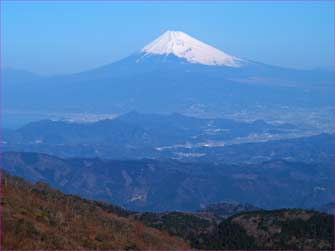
x=65, y=37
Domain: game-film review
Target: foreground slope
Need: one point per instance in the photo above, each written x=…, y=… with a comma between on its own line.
x=38, y=217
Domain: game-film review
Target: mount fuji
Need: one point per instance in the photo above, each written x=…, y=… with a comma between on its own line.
x=183, y=46
x=173, y=73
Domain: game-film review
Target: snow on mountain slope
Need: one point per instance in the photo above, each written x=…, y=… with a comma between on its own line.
x=194, y=51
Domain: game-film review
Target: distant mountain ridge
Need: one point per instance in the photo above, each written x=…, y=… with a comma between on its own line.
x=133, y=132
x=328, y=208
x=136, y=136
x=225, y=209
x=16, y=76
x=165, y=185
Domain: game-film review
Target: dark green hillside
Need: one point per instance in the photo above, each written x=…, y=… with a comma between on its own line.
x=188, y=226
x=288, y=229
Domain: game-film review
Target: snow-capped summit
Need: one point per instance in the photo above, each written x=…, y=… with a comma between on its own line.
x=194, y=51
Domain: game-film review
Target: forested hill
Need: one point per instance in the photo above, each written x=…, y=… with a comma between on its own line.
x=39, y=217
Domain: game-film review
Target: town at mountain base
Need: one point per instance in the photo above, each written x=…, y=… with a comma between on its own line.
x=39, y=217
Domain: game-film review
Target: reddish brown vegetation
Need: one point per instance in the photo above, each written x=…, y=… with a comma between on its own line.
x=37, y=217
